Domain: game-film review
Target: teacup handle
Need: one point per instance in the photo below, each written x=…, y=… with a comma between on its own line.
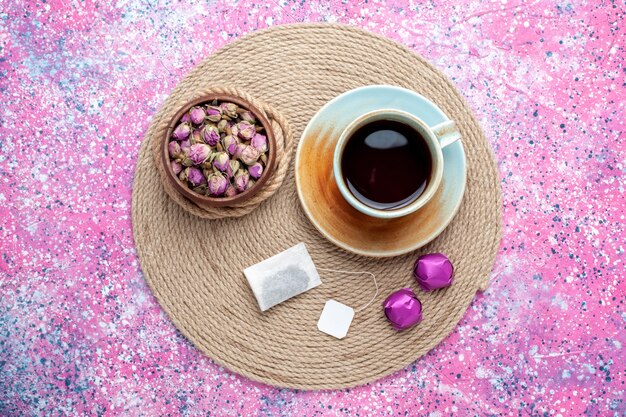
x=447, y=133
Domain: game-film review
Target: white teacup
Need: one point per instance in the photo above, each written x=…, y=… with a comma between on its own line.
x=435, y=138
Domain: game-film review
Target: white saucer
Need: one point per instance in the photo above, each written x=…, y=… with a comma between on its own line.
x=333, y=216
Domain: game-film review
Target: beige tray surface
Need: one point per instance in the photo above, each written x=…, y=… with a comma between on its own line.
x=194, y=265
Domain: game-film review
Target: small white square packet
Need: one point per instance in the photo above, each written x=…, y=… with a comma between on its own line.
x=282, y=276
x=335, y=319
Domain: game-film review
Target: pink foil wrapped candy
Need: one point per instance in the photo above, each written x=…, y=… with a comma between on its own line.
x=433, y=271
x=403, y=309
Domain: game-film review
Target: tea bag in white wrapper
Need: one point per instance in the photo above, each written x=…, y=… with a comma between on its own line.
x=282, y=276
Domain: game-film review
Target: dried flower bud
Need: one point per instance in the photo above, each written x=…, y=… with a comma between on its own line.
x=241, y=180
x=263, y=159
x=232, y=129
x=259, y=142
x=176, y=167
x=186, y=161
x=249, y=155
x=173, y=148
x=201, y=189
x=233, y=167
x=247, y=116
x=255, y=170
x=185, y=118
x=245, y=130
x=433, y=271
x=185, y=145
x=183, y=175
x=239, y=150
x=210, y=134
x=229, y=142
x=221, y=161
x=217, y=184
x=196, y=137
x=222, y=125
x=230, y=191
x=182, y=131
x=197, y=115
x=195, y=176
x=213, y=113
x=229, y=109
x=199, y=153
x=250, y=184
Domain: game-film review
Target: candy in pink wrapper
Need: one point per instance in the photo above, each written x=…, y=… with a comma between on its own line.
x=433, y=271
x=403, y=309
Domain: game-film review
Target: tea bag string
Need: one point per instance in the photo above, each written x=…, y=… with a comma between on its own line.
x=357, y=273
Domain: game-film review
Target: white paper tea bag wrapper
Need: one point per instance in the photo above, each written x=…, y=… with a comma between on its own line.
x=282, y=276
x=335, y=319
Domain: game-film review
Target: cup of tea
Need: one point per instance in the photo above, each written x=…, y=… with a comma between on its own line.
x=388, y=163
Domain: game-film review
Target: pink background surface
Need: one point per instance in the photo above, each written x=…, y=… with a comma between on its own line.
x=80, y=332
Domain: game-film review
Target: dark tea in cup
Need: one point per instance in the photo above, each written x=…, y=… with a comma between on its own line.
x=386, y=164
